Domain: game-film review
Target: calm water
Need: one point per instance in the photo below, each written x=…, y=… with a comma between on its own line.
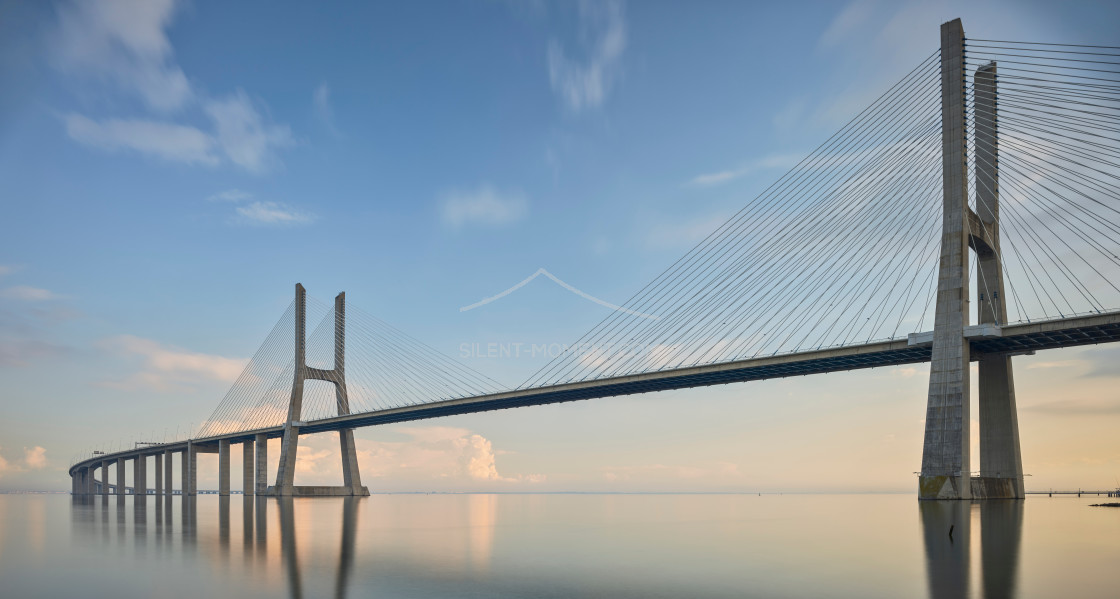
x=557, y=546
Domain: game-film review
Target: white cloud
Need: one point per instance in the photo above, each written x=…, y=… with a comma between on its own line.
x=6, y=270
x=780, y=161
x=602, y=35
x=845, y=24
x=258, y=212
x=28, y=294
x=272, y=213
x=166, y=368
x=451, y=457
x=35, y=457
x=6, y=466
x=124, y=41
x=230, y=195
x=321, y=100
x=175, y=143
x=483, y=206
x=243, y=134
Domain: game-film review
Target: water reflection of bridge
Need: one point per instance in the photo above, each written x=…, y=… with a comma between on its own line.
x=282, y=543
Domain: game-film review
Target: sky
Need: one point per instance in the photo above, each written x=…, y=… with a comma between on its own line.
x=169, y=170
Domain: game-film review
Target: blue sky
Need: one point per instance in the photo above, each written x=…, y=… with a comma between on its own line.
x=168, y=171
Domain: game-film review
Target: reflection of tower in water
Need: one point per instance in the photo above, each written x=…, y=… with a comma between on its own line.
x=290, y=546
x=948, y=553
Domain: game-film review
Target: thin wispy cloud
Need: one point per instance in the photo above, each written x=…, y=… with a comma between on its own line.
x=250, y=211
x=6, y=270
x=484, y=206
x=244, y=135
x=324, y=112
x=272, y=213
x=584, y=82
x=846, y=23
x=241, y=136
x=1079, y=406
x=167, y=368
x=776, y=161
x=28, y=294
x=124, y=44
x=230, y=195
x=167, y=141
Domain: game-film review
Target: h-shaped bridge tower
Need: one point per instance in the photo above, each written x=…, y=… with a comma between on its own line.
x=946, y=472
x=825, y=271
x=285, y=473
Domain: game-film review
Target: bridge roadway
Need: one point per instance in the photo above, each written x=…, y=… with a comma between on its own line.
x=1014, y=339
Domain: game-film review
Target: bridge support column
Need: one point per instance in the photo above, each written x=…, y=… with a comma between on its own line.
x=285, y=473
x=105, y=478
x=945, y=455
x=248, y=481
x=190, y=470
x=139, y=475
x=1001, y=464
x=168, y=473
x=223, y=468
x=261, y=444
x=120, y=476
x=158, y=458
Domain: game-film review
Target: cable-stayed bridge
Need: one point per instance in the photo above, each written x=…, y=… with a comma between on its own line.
x=982, y=187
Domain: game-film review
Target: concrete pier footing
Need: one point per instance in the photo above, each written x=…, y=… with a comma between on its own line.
x=261, y=446
x=223, y=468
x=168, y=472
x=248, y=481
x=120, y=476
x=139, y=476
x=158, y=458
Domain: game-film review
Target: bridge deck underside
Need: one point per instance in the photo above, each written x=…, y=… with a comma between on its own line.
x=1016, y=339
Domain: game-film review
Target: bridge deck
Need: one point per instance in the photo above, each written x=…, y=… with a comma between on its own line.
x=1017, y=338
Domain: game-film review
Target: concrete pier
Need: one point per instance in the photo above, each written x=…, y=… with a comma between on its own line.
x=139, y=475
x=105, y=478
x=120, y=476
x=946, y=471
x=159, y=473
x=248, y=481
x=261, y=446
x=223, y=468
x=1001, y=463
x=190, y=469
x=168, y=473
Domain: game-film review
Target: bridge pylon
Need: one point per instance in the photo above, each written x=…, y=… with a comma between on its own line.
x=285, y=474
x=946, y=468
